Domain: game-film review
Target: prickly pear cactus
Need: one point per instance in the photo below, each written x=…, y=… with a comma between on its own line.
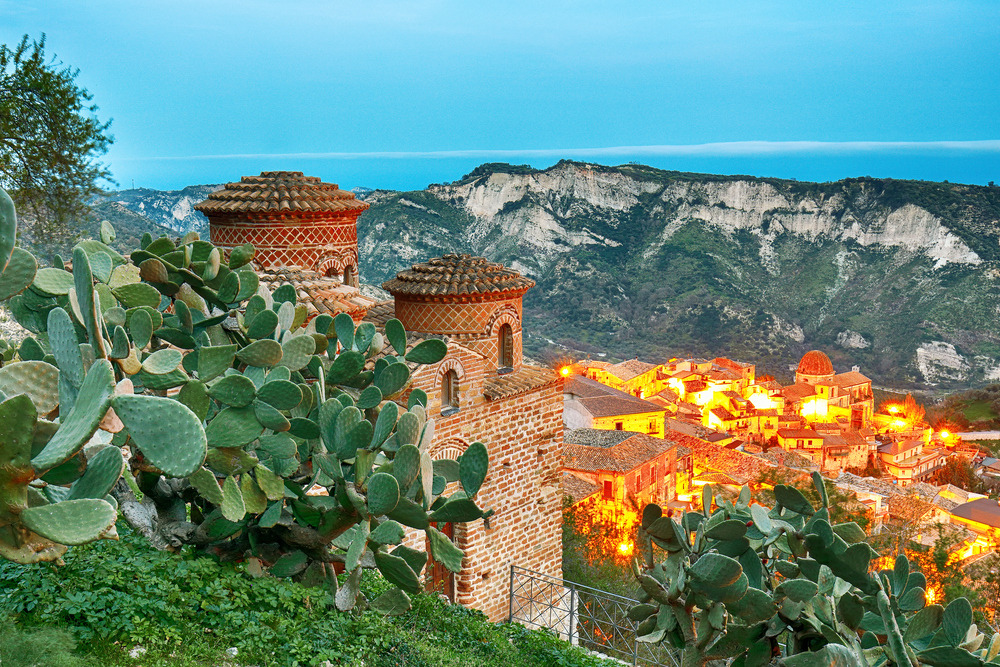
x=761, y=586
x=278, y=438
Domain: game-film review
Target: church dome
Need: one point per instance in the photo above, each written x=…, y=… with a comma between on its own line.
x=457, y=276
x=815, y=362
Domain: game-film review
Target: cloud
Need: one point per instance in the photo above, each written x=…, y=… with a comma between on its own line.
x=732, y=148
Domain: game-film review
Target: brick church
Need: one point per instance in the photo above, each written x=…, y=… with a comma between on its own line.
x=305, y=232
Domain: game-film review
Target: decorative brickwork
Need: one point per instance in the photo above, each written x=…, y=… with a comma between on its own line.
x=292, y=220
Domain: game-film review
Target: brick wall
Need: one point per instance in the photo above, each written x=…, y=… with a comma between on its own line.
x=523, y=435
x=322, y=242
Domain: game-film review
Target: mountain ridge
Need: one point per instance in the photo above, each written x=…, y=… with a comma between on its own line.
x=898, y=277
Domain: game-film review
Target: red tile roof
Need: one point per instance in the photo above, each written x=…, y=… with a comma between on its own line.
x=629, y=369
x=525, y=379
x=277, y=192
x=609, y=450
x=577, y=489
x=457, y=275
x=602, y=401
x=318, y=293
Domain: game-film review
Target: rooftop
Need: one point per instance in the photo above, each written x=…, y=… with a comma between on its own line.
x=602, y=401
x=900, y=447
x=815, y=362
x=983, y=511
x=850, y=379
x=577, y=489
x=591, y=450
x=629, y=369
x=523, y=380
x=278, y=192
x=457, y=275
x=319, y=294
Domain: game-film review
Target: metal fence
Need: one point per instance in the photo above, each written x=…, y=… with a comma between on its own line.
x=586, y=616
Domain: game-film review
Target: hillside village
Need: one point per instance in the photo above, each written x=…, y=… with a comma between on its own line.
x=610, y=437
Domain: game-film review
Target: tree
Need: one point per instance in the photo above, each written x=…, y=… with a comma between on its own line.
x=49, y=140
x=957, y=471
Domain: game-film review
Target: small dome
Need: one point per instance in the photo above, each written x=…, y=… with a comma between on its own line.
x=457, y=275
x=280, y=191
x=815, y=362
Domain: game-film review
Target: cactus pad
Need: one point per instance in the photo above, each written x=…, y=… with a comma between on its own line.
x=134, y=295
x=213, y=361
x=53, y=282
x=428, y=351
x=397, y=571
x=71, y=522
x=444, y=551
x=241, y=255
x=297, y=352
x=233, y=508
x=17, y=425
x=280, y=394
x=37, y=379
x=92, y=404
x=206, y=485
x=472, y=468
x=393, y=378
x=233, y=427
x=262, y=325
x=383, y=494
x=262, y=353
x=8, y=228
x=168, y=434
x=18, y=275
x=235, y=390
x=103, y=470
x=162, y=362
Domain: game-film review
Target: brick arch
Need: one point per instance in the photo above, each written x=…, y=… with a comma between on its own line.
x=504, y=315
x=450, y=364
x=451, y=448
x=327, y=263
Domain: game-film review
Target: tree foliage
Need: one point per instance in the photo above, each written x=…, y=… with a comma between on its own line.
x=50, y=138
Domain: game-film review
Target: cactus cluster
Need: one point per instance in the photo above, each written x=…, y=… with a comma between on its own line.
x=755, y=585
x=254, y=433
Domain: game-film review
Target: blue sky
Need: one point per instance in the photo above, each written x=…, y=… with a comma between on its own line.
x=401, y=94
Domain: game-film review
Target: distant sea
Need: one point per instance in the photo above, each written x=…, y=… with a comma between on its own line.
x=408, y=172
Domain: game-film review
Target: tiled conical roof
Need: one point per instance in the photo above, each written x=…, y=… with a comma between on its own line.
x=280, y=191
x=457, y=275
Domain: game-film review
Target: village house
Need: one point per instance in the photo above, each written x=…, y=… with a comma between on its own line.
x=632, y=376
x=305, y=234
x=912, y=460
x=590, y=404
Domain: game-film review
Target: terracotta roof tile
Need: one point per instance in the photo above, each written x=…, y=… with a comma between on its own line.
x=524, y=379
x=984, y=511
x=603, y=401
x=626, y=454
x=318, y=293
x=278, y=191
x=849, y=379
x=577, y=489
x=457, y=275
x=630, y=368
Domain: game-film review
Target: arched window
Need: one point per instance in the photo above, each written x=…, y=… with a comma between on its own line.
x=506, y=345
x=331, y=272
x=449, y=392
x=349, y=275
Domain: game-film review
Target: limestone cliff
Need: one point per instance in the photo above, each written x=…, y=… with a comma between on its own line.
x=898, y=277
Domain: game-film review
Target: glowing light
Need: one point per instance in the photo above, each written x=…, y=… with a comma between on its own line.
x=945, y=435
x=893, y=409
x=762, y=401
x=931, y=595
x=564, y=371
x=899, y=423
x=625, y=548
x=816, y=407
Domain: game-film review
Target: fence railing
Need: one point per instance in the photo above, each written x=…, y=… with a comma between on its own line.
x=589, y=617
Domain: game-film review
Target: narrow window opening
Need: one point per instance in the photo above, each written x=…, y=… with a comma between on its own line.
x=609, y=492
x=619, y=426
x=506, y=347
x=349, y=275
x=449, y=393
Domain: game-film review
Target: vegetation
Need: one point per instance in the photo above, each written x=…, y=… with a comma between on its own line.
x=289, y=408
x=184, y=610
x=754, y=583
x=49, y=140
x=592, y=555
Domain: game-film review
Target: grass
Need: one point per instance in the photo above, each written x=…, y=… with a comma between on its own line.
x=979, y=411
x=186, y=611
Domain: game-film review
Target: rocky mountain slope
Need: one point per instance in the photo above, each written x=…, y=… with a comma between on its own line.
x=901, y=278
